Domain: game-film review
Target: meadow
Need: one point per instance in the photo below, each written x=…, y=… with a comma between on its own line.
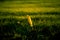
x=14, y=26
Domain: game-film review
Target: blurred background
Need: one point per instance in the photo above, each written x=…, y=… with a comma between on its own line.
x=29, y=5
x=44, y=14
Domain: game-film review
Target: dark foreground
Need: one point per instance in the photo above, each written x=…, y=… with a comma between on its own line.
x=45, y=28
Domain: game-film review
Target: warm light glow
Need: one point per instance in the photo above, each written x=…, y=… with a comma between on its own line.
x=29, y=20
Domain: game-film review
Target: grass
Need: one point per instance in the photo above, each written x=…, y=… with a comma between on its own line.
x=46, y=26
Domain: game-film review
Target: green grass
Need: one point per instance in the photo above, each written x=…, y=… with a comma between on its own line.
x=45, y=16
x=46, y=26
